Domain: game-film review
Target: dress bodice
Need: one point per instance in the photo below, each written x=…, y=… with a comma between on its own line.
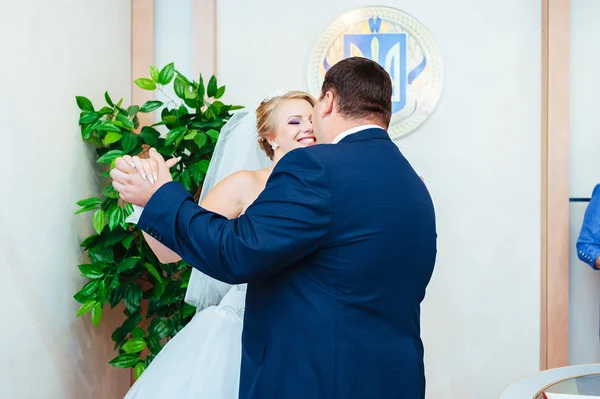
x=233, y=303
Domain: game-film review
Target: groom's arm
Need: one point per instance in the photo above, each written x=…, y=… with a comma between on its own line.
x=287, y=222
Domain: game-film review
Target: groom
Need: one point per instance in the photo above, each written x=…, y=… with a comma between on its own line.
x=337, y=250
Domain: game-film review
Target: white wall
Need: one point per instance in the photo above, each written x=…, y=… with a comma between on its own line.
x=52, y=51
x=584, y=305
x=173, y=39
x=479, y=154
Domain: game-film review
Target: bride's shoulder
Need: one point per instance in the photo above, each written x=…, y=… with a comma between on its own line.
x=246, y=177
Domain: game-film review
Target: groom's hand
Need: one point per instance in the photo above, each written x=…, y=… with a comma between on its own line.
x=135, y=186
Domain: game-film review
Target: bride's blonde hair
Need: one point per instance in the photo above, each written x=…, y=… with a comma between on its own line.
x=266, y=124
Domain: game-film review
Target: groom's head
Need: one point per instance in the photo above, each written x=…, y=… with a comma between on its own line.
x=356, y=91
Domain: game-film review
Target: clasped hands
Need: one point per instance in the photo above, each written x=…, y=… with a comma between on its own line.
x=138, y=179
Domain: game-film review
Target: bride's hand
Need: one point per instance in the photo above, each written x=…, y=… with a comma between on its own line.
x=148, y=168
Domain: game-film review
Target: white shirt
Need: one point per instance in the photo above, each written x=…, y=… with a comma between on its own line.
x=137, y=214
x=356, y=129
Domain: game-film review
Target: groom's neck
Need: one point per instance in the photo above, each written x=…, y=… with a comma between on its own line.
x=344, y=125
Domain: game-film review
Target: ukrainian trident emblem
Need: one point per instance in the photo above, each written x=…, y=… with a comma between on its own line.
x=398, y=43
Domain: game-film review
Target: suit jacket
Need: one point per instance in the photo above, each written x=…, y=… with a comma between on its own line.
x=338, y=251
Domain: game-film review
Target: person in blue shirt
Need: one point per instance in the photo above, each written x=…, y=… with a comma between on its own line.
x=588, y=242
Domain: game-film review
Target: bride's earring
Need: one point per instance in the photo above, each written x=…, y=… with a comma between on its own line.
x=274, y=146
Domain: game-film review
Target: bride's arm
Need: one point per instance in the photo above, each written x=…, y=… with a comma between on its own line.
x=224, y=199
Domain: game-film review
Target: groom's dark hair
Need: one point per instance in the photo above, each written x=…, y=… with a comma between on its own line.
x=363, y=89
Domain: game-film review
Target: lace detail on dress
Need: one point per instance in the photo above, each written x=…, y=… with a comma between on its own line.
x=233, y=304
x=235, y=315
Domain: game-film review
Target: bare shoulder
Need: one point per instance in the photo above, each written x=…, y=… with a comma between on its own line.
x=245, y=179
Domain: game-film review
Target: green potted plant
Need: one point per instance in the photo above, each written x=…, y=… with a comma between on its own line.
x=122, y=268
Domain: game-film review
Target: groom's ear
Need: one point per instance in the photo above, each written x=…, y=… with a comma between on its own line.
x=328, y=104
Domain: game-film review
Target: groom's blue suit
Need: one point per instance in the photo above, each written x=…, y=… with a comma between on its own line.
x=338, y=251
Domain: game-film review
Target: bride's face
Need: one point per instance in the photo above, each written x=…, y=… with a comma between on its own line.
x=294, y=126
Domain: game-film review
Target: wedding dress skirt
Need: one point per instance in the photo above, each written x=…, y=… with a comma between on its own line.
x=203, y=360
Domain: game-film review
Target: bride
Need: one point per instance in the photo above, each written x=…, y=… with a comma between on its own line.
x=203, y=360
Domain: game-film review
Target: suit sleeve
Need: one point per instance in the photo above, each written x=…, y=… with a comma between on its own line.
x=288, y=221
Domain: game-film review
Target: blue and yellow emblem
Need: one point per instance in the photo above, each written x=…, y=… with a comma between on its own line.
x=401, y=45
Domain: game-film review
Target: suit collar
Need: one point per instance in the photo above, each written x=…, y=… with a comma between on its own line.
x=367, y=134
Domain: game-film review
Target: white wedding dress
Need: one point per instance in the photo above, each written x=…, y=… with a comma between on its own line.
x=203, y=360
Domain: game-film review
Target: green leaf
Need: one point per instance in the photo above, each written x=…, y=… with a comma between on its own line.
x=88, y=117
x=102, y=291
x=127, y=241
x=97, y=313
x=190, y=94
x=129, y=141
x=84, y=104
x=153, y=271
x=128, y=264
x=211, y=89
x=198, y=171
x=89, y=201
x=175, y=135
x=86, y=307
x=114, y=216
x=180, y=87
x=135, y=345
x=79, y=297
x=150, y=135
x=170, y=119
x=154, y=72
x=145, y=83
x=110, y=156
x=191, y=135
x=108, y=99
x=186, y=180
x=115, y=295
x=99, y=220
x=201, y=140
x=108, y=126
x=182, y=111
x=125, y=361
x=138, y=333
x=105, y=111
x=154, y=344
x=220, y=92
x=133, y=296
x=166, y=74
x=133, y=110
x=125, y=121
x=88, y=242
x=236, y=107
x=111, y=138
x=91, y=271
x=139, y=369
x=187, y=310
x=102, y=254
x=128, y=325
x=201, y=91
x=150, y=106
x=90, y=288
x=209, y=112
x=213, y=134
x=86, y=209
x=110, y=192
x=182, y=77
x=161, y=328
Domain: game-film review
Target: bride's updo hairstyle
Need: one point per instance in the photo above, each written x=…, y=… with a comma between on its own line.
x=266, y=117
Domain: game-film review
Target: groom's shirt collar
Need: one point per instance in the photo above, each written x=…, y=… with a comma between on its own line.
x=355, y=129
